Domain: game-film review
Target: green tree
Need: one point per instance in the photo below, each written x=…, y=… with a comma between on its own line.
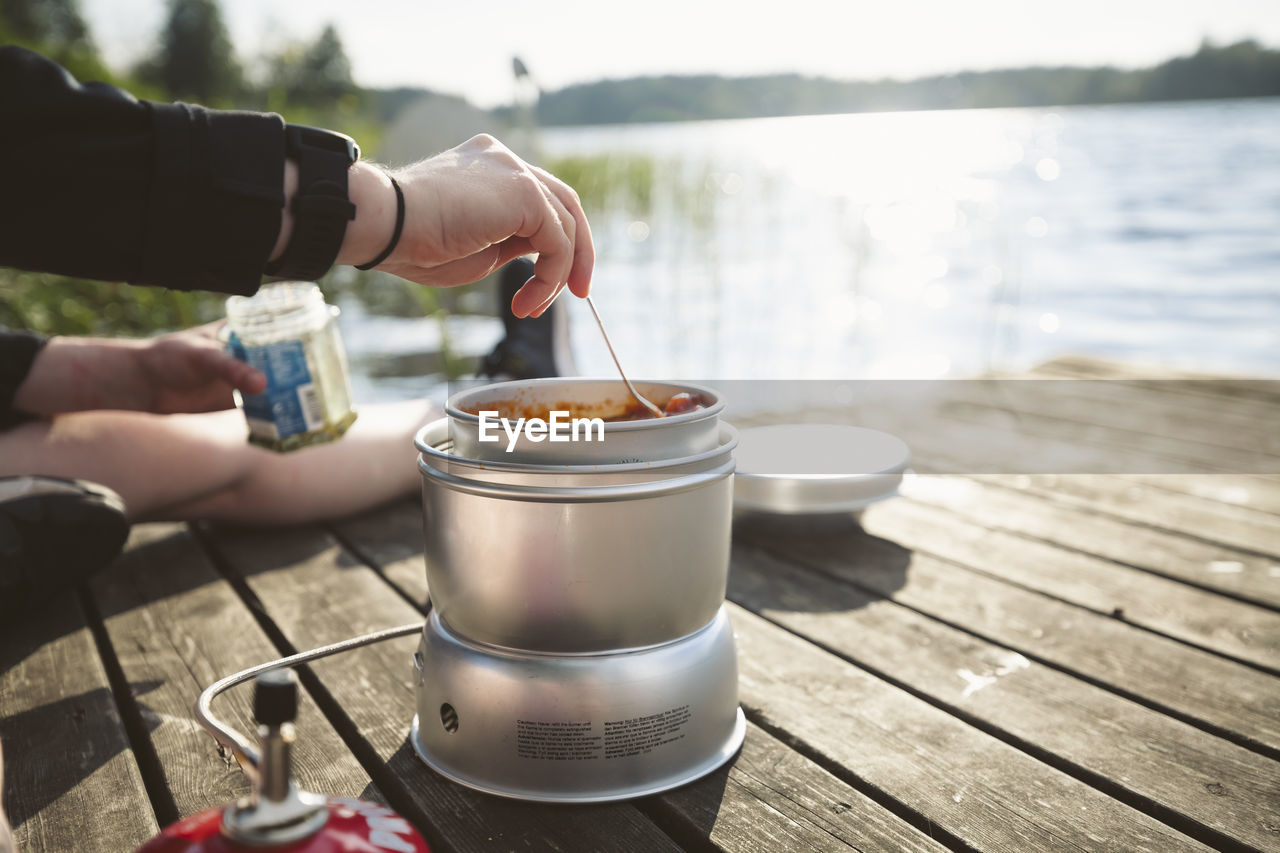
x=56, y=29
x=194, y=59
x=315, y=75
x=326, y=70
x=56, y=23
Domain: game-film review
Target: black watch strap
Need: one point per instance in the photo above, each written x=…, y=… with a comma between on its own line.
x=321, y=207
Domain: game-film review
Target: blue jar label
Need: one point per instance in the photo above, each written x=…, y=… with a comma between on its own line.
x=290, y=405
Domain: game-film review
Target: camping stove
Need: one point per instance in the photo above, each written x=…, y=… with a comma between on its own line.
x=577, y=728
x=578, y=648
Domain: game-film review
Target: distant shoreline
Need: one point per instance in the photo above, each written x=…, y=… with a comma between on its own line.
x=1110, y=104
x=1242, y=70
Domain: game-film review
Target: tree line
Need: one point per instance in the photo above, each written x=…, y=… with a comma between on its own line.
x=192, y=59
x=1244, y=69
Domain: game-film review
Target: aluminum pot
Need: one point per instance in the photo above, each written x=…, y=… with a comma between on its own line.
x=642, y=440
x=579, y=568
x=577, y=728
x=437, y=450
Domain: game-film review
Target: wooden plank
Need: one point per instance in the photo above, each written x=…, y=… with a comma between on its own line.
x=1093, y=367
x=1158, y=429
x=998, y=442
x=1208, y=566
x=1016, y=427
x=1227, y=697
x=1207, y=520
x=962, y=448
x=176, y=626
x=1217, y=421
x=1260, y=493
x=1229, y=627
x=1235, y=396
x=972, y=788
x=1261, y=388
x=316, y=594
x=390, y=538
x=772, y=798
x=71, y=782
x=941, y=444
x=1203, y=785
x=975, y=449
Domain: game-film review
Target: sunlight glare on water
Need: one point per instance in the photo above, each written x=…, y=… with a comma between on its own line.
x=834, y=237
x=920, y=244
x=938, y=243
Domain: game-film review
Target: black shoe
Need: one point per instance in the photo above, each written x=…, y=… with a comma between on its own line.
x=54, y=533
x=533, y=347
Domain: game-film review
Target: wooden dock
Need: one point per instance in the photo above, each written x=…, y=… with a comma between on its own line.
x=988, y=662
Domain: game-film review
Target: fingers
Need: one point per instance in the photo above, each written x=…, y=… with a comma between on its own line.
x=556, y=242
x=489, y=207
x=534, y=298
x=218, y=365
x=534, y=295
x=541, y=309
x=242, y=377
x=246, y=379
x=550, y=229
x=584, y=252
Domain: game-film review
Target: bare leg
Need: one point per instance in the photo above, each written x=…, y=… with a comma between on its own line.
x=182, y=467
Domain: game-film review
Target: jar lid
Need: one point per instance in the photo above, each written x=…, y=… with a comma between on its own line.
x=816, y=468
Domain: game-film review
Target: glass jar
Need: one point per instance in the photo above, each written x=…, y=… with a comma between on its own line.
x=287, y=331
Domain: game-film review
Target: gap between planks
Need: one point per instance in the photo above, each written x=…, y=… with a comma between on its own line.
x=1218, y=623
x=1106, y=741
x=1057, y=634
x=71, y=780
x=175, y=622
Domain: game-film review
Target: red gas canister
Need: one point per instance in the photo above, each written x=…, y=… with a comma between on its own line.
x=352, y=826
x=278, y=817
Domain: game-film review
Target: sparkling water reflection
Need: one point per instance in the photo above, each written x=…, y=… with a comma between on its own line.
x=940, y=243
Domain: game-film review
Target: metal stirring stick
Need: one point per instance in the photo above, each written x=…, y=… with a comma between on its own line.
x=657, y=413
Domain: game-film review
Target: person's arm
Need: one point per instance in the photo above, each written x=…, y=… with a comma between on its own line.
x=176, y=195
x=101, y=185
x=186, y=371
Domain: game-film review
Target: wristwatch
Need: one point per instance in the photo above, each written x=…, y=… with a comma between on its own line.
x=321, y=208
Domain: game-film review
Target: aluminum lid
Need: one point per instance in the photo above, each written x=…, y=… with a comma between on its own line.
x=816, y=468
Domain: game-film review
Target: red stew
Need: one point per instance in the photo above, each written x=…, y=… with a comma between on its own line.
x=632, y=410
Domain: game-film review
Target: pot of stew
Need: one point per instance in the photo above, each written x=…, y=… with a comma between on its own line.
x=579, y=421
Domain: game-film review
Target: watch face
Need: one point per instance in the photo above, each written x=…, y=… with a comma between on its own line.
x=299, y=135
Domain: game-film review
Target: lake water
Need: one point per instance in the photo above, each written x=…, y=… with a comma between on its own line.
x=924, y=244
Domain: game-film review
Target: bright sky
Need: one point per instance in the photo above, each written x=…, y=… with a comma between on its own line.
x=466, y=48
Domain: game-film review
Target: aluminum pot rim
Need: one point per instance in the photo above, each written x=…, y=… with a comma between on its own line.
x=578, y=494
x=438, y=623
x=423, y=441
x=713, y=411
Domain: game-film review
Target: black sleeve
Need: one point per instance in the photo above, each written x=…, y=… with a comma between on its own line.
x=18, y=350
x=101, y=185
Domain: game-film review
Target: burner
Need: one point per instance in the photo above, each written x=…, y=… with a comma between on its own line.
x=577, y=728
